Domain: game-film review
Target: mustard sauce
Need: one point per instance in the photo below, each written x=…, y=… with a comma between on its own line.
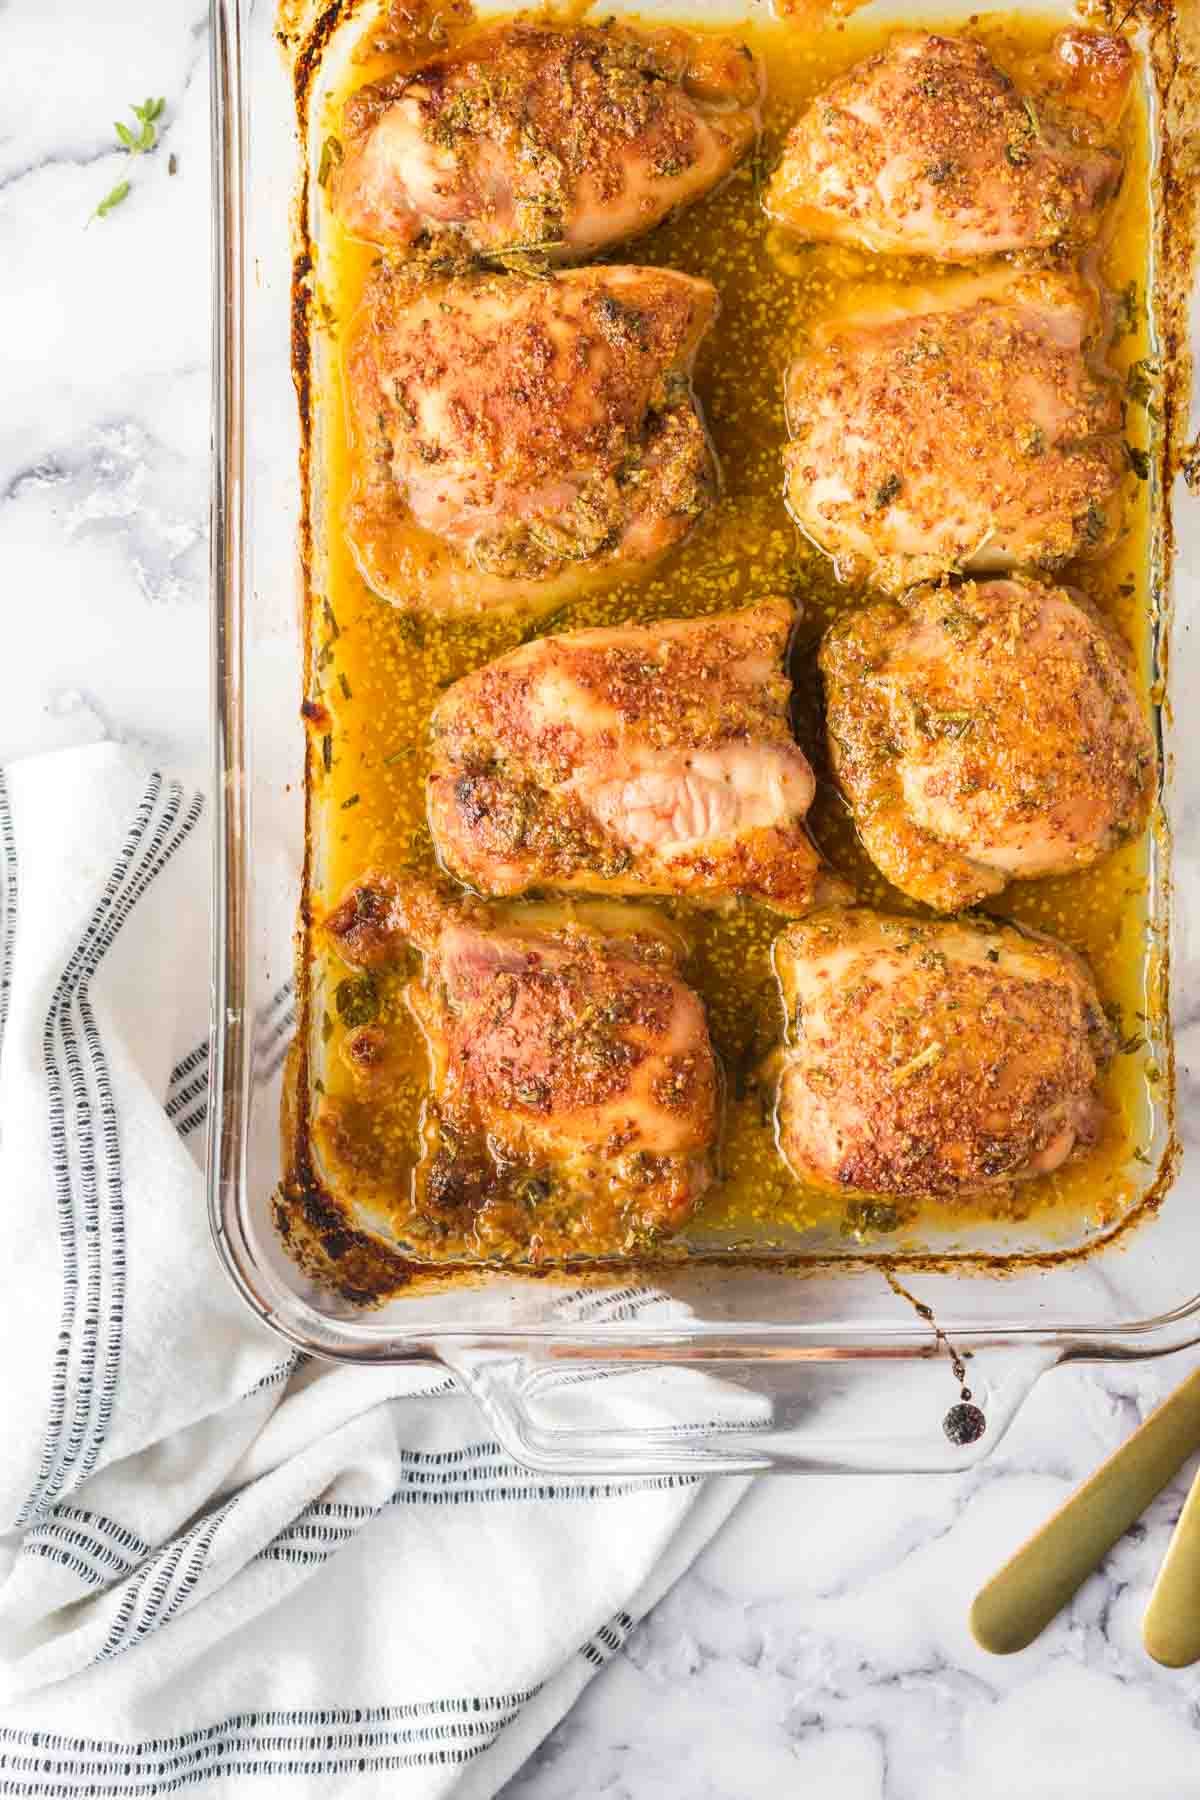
x=377, y=672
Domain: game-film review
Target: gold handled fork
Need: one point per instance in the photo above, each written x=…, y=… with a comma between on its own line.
x=1020, y=1600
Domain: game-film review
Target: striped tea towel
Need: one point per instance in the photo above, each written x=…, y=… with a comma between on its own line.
x=223, y=1566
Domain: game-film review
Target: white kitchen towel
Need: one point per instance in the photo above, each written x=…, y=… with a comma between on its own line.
x=222, y=1566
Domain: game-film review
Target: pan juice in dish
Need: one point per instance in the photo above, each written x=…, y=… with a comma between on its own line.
x=361, y=1103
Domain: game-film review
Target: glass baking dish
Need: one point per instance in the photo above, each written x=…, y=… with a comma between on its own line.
x=733, y=1359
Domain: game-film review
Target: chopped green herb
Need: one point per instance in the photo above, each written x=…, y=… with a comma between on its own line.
x=863, y=1217
x=332, y=623
x=925, y=1059
x=532, y=1190
x=352, y=801
x=331, y=156
x=527, y=259
x=1128, y=315
x=1141, y=385
x=931, y=724
x=326, y=1027
x=959, y=625
x=886, y=492
x=410, y=627
x=398, y=755
x=1139, y=461
x=327, y=752
x=357, y=1000
x=541, y=627
x=345, y=686
x=1094, y=523
x=760, y=172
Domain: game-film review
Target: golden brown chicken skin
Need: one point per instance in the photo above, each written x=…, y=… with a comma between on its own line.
x=556, y=139
x=517, y=440
x=573, y=1087
x=969, y=429
x=927, y=148
x=934, y=1059
x=985, y=732
x=630, y=760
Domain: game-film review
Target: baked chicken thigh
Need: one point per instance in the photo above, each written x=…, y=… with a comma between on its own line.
x=562, y=139
x=927, y=148
x=966, y=429
x=518, y=439
x=934, y=1059
x=641, y=759
x=985, y=732
x=573, y=1084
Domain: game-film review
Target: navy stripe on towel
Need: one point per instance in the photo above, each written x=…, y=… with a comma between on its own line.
x=314, y=1741
x=75, y=1064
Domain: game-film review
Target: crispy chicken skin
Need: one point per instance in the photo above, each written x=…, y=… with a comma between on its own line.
x=928, y=149
x=637, y=760
x=561, y=138
x=574, y=1090
x=985, y=732
x=517, y=440
x=968, y=429
x=933, y=1058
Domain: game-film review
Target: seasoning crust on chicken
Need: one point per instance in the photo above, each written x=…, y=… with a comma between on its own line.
x=639, y=759
x=927, y=148
x=573, y=1086
x=967, y=429
x=985, y=732
x=517, y=440
x=934, y=1059
x=560, y=139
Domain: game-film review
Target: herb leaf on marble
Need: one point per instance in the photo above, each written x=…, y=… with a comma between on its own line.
x=113, y=198
x=137, y=143
x=146, y=136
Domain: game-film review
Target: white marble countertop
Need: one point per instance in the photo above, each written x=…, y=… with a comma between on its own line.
x=820, y=1645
